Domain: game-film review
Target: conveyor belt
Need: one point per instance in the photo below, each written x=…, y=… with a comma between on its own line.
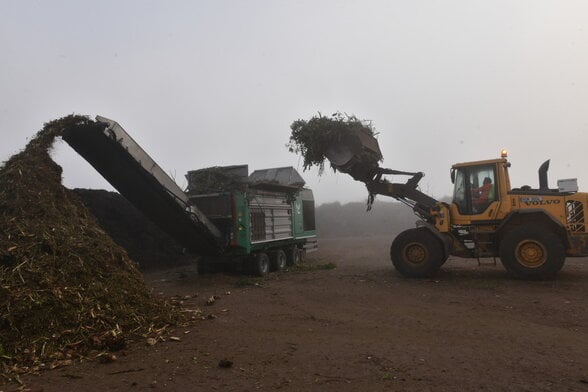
x=128, y=168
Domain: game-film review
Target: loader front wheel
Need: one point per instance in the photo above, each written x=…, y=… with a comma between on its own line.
x=416, y=253
x=260, y=265
x=532, y=252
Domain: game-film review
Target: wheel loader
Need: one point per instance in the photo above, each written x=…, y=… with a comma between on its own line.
x=532, y=231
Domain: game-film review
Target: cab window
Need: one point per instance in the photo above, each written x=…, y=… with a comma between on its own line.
x=475, y=189
x=459, y=191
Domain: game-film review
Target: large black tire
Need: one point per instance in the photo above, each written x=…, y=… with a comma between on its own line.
x=279, y=260
x=302, y=253
x=293, y=256
x=417, y=253
x=260, y=264
x=532, y=252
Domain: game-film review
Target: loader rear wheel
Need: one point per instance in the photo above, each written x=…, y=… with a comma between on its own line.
x=416, y=253
x=532, y=252
x=279, y=261
x=260, y=265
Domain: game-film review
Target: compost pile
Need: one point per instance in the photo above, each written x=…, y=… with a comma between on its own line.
x=67, y=290
x=313, y=138
x=143, y=240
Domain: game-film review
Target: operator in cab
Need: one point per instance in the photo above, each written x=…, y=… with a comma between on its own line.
x=483, y=195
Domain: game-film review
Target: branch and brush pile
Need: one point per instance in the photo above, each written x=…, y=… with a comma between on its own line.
x=314, y=139
x=214, y=180
x=67, y=291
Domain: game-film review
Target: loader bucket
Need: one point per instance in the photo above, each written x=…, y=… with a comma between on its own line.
x=357, y=154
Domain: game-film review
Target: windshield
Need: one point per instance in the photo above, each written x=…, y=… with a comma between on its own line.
x=475, y=188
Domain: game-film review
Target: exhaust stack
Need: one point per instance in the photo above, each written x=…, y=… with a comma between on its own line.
x=543, y=185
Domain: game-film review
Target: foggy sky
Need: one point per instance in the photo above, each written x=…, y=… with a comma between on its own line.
x=206, y=83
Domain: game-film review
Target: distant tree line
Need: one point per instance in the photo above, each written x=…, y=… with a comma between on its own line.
x=352, y=219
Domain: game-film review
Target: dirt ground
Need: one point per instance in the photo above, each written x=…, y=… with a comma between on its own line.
x=358, y=327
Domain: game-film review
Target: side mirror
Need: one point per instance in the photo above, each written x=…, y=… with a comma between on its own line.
x=453, y=176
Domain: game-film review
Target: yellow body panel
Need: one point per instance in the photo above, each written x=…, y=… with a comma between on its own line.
x=567, y=210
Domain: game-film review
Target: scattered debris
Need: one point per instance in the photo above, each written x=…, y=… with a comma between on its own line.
x=212, y=299
x=312, y=267
x=151, y=341
x=107, y=358
x=225, y=363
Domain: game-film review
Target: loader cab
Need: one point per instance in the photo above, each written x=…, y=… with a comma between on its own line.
x=477, y=186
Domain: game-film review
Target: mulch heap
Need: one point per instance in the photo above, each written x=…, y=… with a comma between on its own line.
x=146, y=244
x=67, y=291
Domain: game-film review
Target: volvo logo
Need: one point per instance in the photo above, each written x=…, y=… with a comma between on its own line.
x=538, y=201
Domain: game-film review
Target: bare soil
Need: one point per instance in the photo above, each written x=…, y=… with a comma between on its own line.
x=358, y=327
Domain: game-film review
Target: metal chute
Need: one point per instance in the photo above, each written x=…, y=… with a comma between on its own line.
x=131, y=171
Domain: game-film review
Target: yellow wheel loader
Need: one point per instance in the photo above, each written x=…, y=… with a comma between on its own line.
x=532, y=231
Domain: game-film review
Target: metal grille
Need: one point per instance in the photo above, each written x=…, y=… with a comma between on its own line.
x=575, y=216
x=271, y=216
x=257, y=225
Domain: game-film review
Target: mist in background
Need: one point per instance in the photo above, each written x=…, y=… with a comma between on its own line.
x=207, y=83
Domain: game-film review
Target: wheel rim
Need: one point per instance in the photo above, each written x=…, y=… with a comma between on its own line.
x=531, y=254
x=264, y=266
x=415, y=253
x=281, y=261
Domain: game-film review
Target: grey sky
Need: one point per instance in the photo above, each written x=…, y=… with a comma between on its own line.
x=205, y=83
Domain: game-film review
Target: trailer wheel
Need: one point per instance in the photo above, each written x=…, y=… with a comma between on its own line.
x=532, y=252
x=260, y=264
x=416, y=253
x=279, y=260
x=293, y=256
x=302, y=253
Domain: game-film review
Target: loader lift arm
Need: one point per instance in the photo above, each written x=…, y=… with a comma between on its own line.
x=359, y=155
x=406, y=193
